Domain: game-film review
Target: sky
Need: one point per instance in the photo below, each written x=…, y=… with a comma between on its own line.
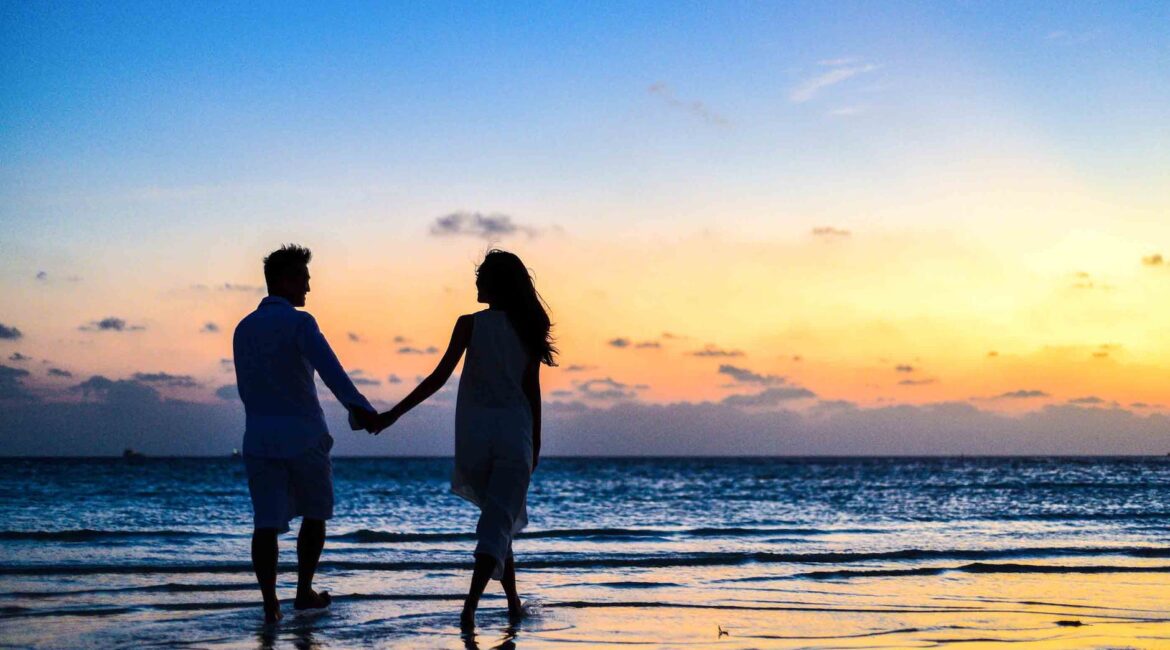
x=761, y=228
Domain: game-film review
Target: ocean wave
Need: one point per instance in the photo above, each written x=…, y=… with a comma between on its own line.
x=981, y=567
x=366, y=536
x=728, y=558
x=90, y=535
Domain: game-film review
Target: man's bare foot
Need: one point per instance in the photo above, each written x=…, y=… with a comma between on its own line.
x=312, y=600
x=467, y=618
x=272, y=613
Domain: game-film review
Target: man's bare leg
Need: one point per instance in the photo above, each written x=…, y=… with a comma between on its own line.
x=310, y=543
x=264, y=556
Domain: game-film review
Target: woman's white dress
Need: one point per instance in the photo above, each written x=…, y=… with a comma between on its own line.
x=493, y=434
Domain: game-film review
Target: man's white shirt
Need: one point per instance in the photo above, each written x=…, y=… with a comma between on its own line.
x=277, y=348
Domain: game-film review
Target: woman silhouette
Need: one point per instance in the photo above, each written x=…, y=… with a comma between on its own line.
x=497, y=414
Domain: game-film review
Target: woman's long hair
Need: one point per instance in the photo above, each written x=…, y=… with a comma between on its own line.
x=505, y=281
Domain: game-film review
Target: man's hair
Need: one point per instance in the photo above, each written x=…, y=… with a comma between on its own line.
x=284, y=261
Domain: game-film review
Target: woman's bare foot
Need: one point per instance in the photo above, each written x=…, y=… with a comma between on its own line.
x=312, y=600
x=272, y=613
x=515, y=608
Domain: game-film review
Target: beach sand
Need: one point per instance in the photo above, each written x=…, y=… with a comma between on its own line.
x=650, y=609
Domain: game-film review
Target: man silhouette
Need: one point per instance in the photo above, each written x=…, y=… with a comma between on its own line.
x=286, y=443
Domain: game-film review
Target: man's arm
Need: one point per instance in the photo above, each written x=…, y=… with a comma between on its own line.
x=316, y=349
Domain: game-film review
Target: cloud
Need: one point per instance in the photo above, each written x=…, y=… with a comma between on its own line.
x=1083, y=280
x=477, y=224
x=121, y=391
x=595, y=428
x=209, y=328
x=695, y=108
x=240, y=288
x=413, y=350
x=770, y=396
x=401, y=339
x=18, y=357
x=165, y=379
x=394, y=379
x=357, y=376
x=745, y=376
x=562, y=393
x=110, y=324
x=917, y=382
x=903, y=368
x=623, y=342
x=605, y=389
x=228, y=392
x=711, y=350
x=1022, y=394
x=9, y=333
x=42, y=276
x=57, y=372
x=993, y=353
x=354, y=336
x=841, y=70
x=1154, y=260
x=227, y=364
x=577, y=367
x=12, y=384
x=1091, y=399
x=829, y=233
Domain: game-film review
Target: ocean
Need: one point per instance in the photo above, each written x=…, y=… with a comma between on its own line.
x=663, y=552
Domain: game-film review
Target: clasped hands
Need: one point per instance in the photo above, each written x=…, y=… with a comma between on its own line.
x=372, y=421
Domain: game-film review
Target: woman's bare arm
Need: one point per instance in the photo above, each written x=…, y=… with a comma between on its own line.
x=460, y=337
x=531, y=388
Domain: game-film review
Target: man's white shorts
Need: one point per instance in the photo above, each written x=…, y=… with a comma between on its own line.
x=285, y=488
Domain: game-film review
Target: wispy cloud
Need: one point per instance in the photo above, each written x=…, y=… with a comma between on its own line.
x=9, y=333
x=1154, y=260
x=111, y=324
x=407, y=349
x=578, y=367
x=839, y=70
x=477, y=224
x=18, y=357
x=711, y=350
x=58, y=372
x=694, y=107
x=1022, y=394
x=606, y=389
x=745, y=376
x=770, y=396
x=165, y=379
x=829, y=233
x=209, y=328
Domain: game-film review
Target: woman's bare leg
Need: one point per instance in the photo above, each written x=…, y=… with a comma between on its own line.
x=484, y=566
x=508, y=581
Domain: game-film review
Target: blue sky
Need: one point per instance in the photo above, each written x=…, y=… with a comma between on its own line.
x=858, y=185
